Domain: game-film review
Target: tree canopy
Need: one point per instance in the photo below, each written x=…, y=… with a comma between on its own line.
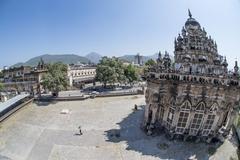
x=56, y=78
x=131, y=73
x=1, y=74
x=150, y=62
x=112, y=70
x=1, y=86
x=109, y=70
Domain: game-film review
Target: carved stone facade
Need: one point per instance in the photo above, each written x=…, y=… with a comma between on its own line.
x=196, y=97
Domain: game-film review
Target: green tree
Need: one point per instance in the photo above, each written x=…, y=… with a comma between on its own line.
x=106, y=74
x=150, y=62
x=110, y=71
x=1, y=74
x=1, y=86
x=130, y=73
x=56, y=78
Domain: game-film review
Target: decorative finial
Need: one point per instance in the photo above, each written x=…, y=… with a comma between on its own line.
x=189, y=13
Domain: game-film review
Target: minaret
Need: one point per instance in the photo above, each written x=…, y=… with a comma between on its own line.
x=225, y=65
x=204, y=32
x=236, y=68
x=159, y=59
x=160, y=55
x=166, y=60
x=183, y=32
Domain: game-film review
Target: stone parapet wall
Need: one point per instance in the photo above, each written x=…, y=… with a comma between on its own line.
x=203, y=79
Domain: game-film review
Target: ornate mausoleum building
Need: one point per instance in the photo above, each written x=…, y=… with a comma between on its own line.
x=196, y=97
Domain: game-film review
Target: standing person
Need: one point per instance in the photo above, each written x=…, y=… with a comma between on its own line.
x=135, y=107
x=80, y=130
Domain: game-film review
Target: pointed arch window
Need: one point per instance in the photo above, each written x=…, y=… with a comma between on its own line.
x=186, y=106
x=210, y=120
x=197, y=119
x=183, y=117
x=214, y=107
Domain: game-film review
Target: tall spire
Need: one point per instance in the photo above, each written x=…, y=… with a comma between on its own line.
x=159, y=55
x=189, y=13
x=236, y=68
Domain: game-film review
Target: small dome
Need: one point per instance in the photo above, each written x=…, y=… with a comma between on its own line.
x=225, y=63
x=179, y=38
x=217, y=60
x=202, y=58
x=187, y=57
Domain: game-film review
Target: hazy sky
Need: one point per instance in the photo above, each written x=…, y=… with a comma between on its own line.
x=30, y=28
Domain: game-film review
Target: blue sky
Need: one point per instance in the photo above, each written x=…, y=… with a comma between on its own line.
x=30, y=28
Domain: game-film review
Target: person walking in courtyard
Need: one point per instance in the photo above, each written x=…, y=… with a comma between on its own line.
x=80, y=130
x=135, y=107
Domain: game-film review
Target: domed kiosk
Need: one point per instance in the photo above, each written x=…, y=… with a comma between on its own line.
x=196, y=97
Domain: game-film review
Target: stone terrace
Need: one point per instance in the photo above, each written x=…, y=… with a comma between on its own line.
x=40, y=132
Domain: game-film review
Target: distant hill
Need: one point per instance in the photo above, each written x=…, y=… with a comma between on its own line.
x=74, y=59
x=128, y=58
x=94, y=57
x=65, y=58
x=18, y=64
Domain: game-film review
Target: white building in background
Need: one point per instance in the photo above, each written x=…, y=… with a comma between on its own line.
x=79, y=75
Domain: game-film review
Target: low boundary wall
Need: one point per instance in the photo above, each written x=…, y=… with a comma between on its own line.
x=14, y=107
x=79, y=98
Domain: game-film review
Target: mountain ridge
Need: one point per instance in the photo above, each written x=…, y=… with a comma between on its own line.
x=92, y=57
x=52, y=58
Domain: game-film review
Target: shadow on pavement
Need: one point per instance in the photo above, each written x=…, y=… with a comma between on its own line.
x=156, y=146
x=44, y=103
x=4, y=158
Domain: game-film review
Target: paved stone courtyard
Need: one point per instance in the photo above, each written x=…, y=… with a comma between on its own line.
x=111, y=130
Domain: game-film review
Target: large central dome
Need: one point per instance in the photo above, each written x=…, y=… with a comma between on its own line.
x=191, y=22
